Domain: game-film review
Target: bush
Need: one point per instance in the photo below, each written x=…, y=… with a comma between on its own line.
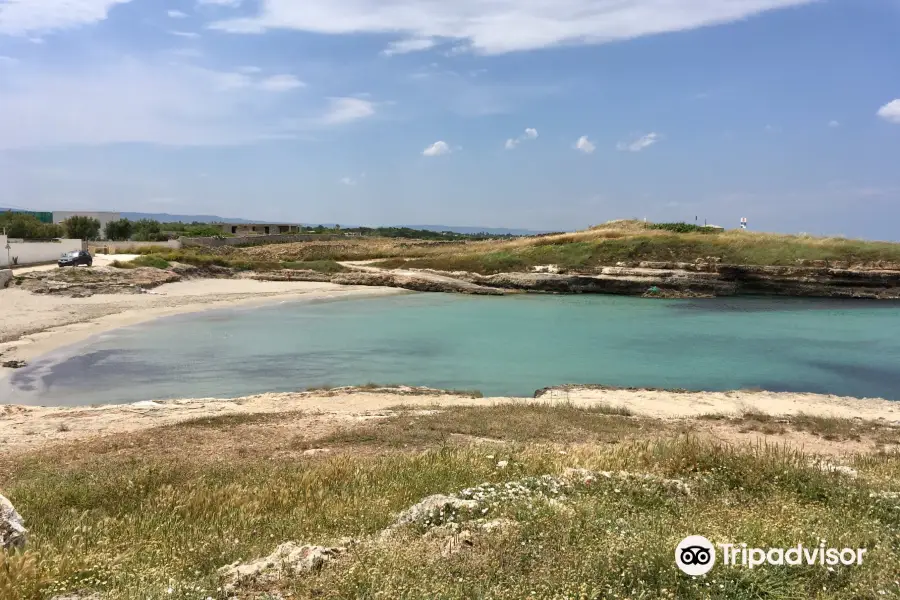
x=684, y=228
x=82, y=228
x=157, y=262
x=148, y=230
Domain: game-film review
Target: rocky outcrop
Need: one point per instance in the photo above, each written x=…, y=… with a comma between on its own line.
x=675, y=280
x=12, y=527
x=6, y=276
x=421, y=283
x=79, y=282
x=288, y=559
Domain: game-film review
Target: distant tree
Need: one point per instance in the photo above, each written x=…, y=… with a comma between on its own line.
x=148, y=230
x=19, y=225
x=82, y=228
x=118, y=231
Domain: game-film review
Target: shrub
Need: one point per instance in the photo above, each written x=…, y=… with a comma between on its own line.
x=684, y=228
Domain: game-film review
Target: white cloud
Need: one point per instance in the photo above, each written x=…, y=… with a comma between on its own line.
x=585, y=145
x=24, y=17
x=176, y=14
x=133, y=101
x=834, y=124
x=249, y=70
x=530, y=134
x=644, y=141
x=891, y=111
x=407, y=46
x=185, y=34
x=221, y=2
x=231, y=81
x=8, y=60
x=346, y=110
x=501, y=25
x=438, y=148
x=348, y=181
x=281, y=83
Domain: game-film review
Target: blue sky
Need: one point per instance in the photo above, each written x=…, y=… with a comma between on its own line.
x=502, y=113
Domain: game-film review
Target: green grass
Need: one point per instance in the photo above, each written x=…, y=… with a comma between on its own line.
x=147, y=260
x=683, y=228
x=736, y=248
x=130, y=524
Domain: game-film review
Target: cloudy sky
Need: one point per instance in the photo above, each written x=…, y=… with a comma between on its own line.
x=515, y=113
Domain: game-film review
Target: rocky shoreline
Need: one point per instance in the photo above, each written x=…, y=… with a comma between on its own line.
x=644, y=279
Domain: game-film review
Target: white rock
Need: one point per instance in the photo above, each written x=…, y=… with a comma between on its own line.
x=287, y=560
x=433, y=506
x=12, y=527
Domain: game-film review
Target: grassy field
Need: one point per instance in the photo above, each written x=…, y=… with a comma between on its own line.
x=155, y=514
x=583, y=251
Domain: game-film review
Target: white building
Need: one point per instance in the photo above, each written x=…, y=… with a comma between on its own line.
x=104, y=217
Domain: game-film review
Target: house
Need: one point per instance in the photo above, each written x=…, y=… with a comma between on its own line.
x=246, y=229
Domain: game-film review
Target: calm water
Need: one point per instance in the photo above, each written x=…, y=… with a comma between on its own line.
x=501, y=346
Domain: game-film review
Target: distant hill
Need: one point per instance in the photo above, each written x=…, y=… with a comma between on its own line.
x=167, y=218
x=491, y=230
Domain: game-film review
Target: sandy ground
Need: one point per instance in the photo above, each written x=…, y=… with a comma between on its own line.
x=25, y=428
x=100, y=260
x=34, y=324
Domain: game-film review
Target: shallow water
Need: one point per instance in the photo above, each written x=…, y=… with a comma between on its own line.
x=506, y=346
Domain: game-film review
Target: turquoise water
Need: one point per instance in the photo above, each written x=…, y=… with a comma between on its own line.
x=501, y=346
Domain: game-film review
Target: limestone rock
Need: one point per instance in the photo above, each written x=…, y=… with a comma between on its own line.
x=288, y=559
x=434, y=510
x=12, y=527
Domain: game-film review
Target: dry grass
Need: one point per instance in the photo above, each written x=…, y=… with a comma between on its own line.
x=582, y=251
x=832, y=429
x=154, y=515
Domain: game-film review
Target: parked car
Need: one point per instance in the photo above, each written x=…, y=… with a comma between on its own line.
x=73, y=259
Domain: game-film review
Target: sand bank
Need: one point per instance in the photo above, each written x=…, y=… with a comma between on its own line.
x=28, y=427
x=34, y=324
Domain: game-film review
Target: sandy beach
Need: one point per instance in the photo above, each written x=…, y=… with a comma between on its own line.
x=30, y=427
x=35, y=324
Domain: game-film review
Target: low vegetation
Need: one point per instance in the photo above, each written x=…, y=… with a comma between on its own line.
x=153, y=515
x=626, y=242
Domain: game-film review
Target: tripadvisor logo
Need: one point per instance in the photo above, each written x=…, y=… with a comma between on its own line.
x=696, y=555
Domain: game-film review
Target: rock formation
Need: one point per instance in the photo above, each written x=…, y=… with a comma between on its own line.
x=12, y=526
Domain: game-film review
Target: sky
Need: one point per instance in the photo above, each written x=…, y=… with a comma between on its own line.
x=538, y=114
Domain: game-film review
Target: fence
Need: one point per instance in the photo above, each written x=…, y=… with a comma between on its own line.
x=23, y=252
x=259, y=240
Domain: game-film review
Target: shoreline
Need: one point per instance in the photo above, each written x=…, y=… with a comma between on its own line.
x=24, y=428
x=134, y=309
